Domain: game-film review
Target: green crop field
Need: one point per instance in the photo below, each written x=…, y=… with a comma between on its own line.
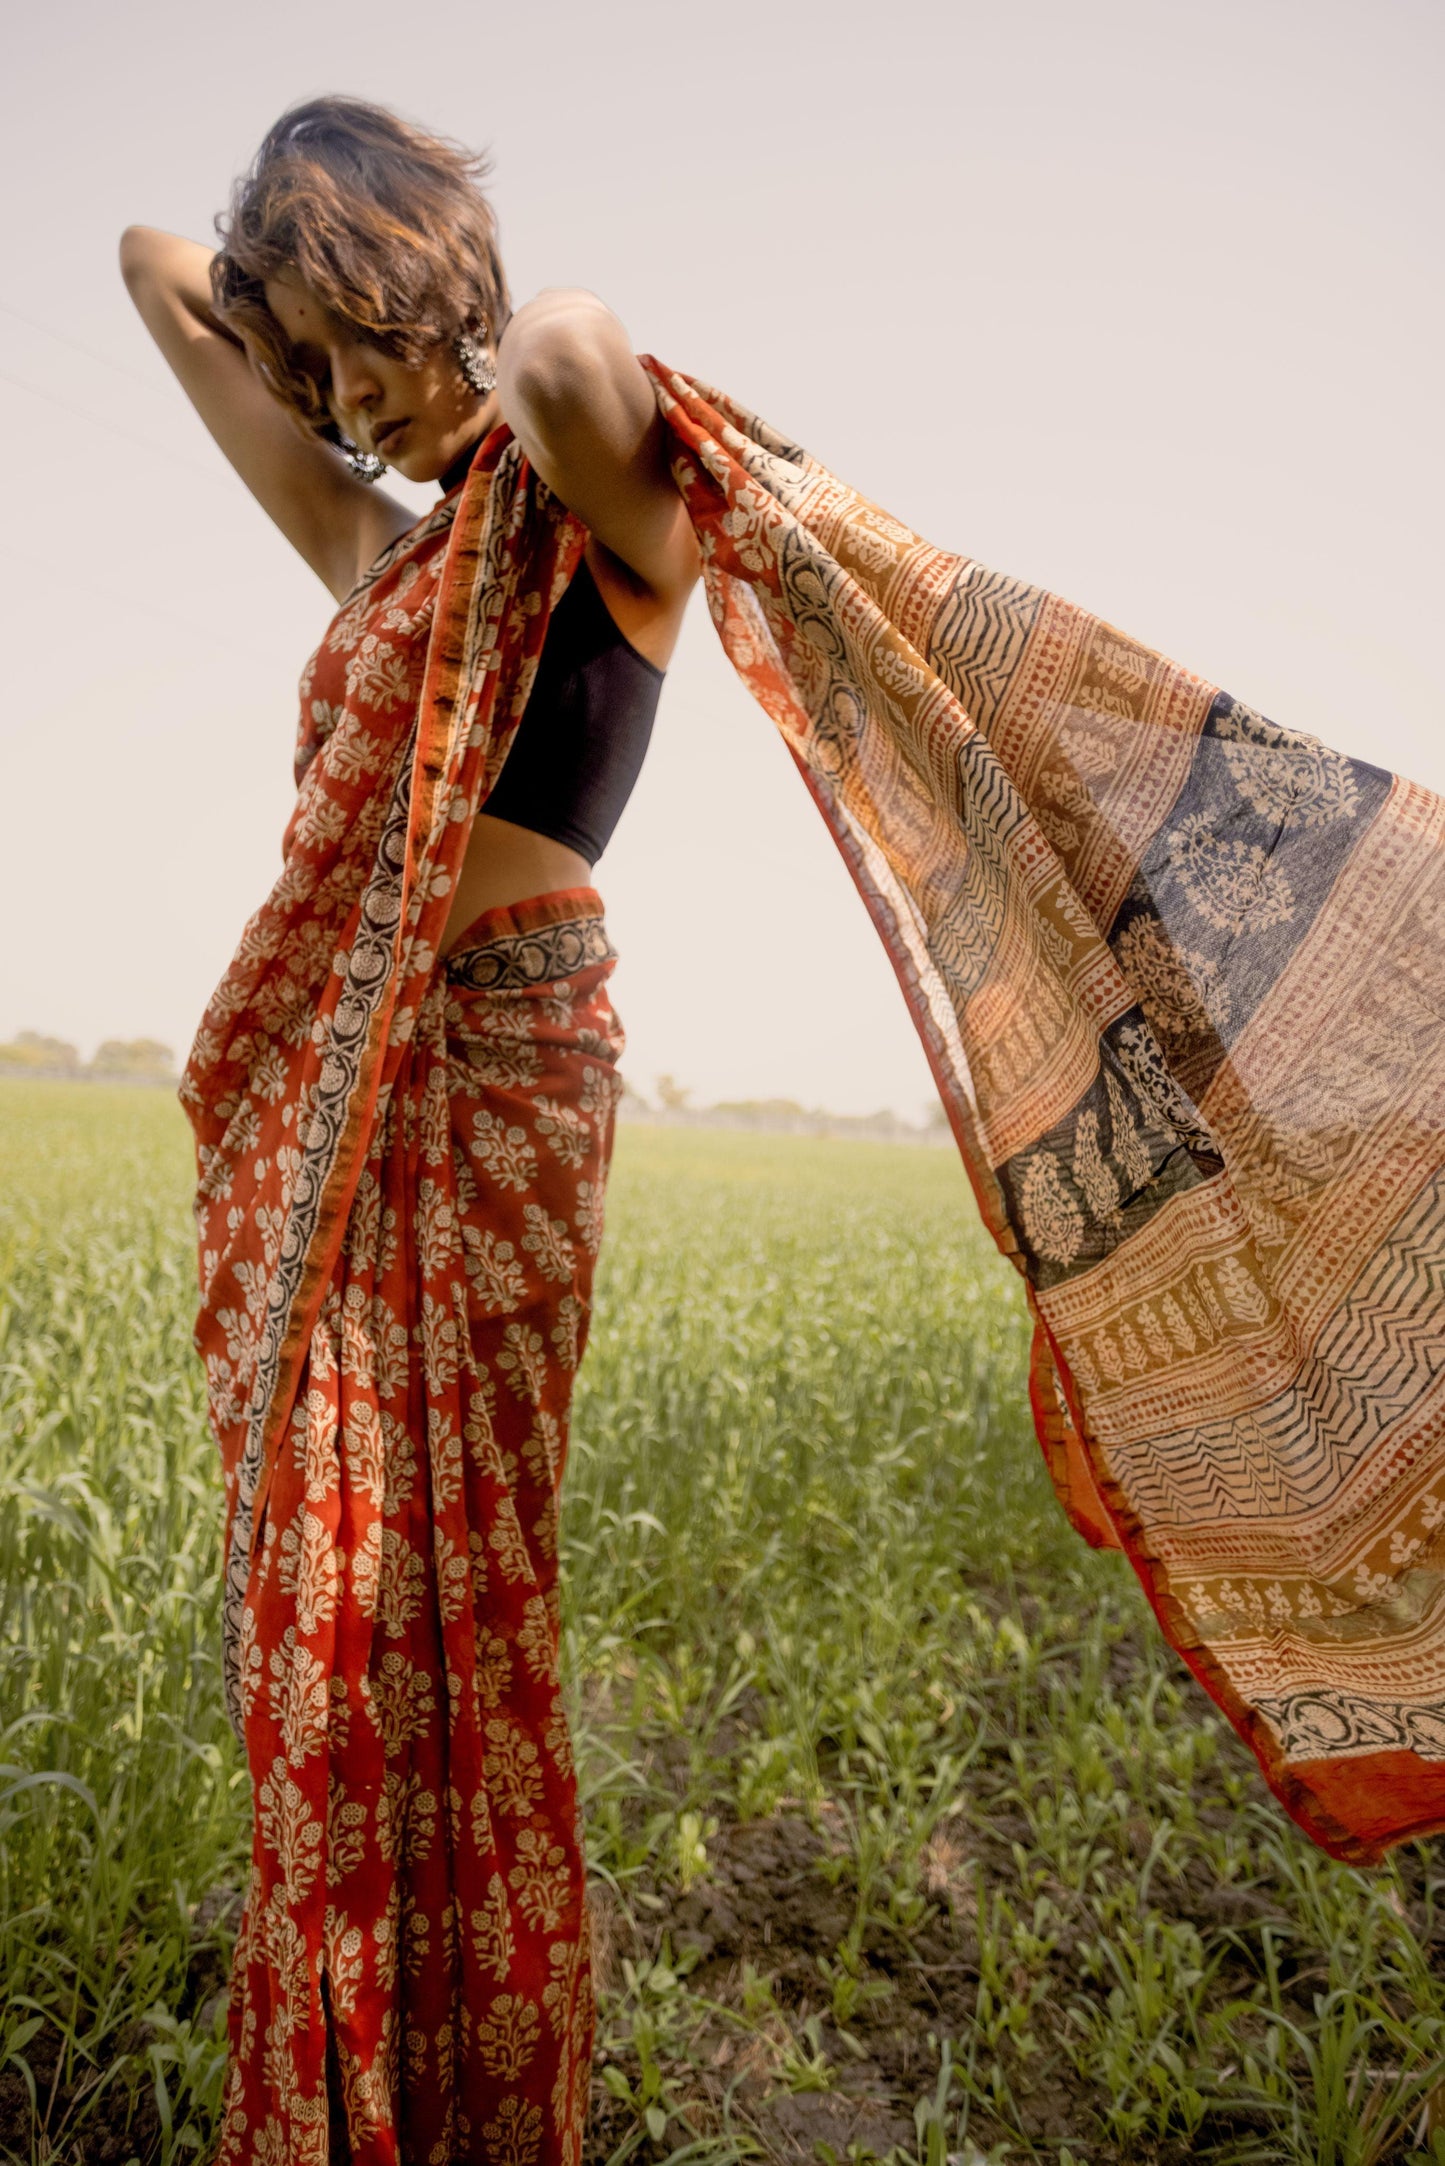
x=911, y=1840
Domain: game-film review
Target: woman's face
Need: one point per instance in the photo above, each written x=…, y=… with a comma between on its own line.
x=417, y=419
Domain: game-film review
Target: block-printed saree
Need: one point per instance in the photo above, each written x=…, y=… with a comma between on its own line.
x=1177, y=974
x=402, y=1172
x=1180, y=977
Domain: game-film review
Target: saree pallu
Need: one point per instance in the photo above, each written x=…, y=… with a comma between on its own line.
x=1180, y=977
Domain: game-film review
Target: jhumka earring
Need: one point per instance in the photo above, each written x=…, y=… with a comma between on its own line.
x=475, y=363
x=365, y=465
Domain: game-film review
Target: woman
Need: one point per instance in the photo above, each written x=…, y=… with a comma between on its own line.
x=411, y=1975
x=1178, y=973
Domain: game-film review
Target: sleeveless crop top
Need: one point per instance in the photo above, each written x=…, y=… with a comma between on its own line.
x=580, y=743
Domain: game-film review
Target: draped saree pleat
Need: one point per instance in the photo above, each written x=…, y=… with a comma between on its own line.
x=416, y=1805
x=1179, y=976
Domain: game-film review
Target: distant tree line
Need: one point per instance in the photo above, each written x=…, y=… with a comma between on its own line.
x=119, y=1060
x=786, y=1116
x=146, y=1060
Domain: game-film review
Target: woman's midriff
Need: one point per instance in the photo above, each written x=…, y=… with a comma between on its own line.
x=523, y=919
x=506, y=864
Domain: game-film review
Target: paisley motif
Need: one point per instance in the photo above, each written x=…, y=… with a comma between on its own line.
x=1183, y=993
x=1052, y=1219
x=1234, y=886
x=1282, y=775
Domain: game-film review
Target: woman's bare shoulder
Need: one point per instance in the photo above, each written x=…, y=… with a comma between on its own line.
x=583, y=408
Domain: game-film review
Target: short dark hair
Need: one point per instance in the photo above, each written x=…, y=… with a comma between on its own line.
x=389, y=225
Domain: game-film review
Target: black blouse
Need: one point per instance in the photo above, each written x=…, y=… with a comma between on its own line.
x=580, y=743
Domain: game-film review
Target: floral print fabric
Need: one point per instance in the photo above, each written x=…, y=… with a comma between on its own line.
x=1178, y=974
x=402, y=1165
x=417, y=1856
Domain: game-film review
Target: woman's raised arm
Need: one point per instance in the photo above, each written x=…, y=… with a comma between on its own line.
x=337, y=523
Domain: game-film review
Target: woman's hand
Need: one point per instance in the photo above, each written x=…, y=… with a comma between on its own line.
x=338, y=523
x=584, y=411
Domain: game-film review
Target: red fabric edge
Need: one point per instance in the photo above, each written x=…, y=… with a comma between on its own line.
x=438, y=688
x=500, y=920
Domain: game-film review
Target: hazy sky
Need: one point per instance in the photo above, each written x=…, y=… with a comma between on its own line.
x=1141, y=301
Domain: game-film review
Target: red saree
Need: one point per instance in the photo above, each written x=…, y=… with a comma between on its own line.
x=1178, y=975
x=416, y=1809
x=403, y=1167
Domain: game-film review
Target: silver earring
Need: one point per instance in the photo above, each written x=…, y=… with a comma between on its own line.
x=475, y=363
x=365, y=465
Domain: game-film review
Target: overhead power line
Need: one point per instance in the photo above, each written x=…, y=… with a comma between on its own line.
x=63, y=338
x=129, y=605
x=108, y=427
